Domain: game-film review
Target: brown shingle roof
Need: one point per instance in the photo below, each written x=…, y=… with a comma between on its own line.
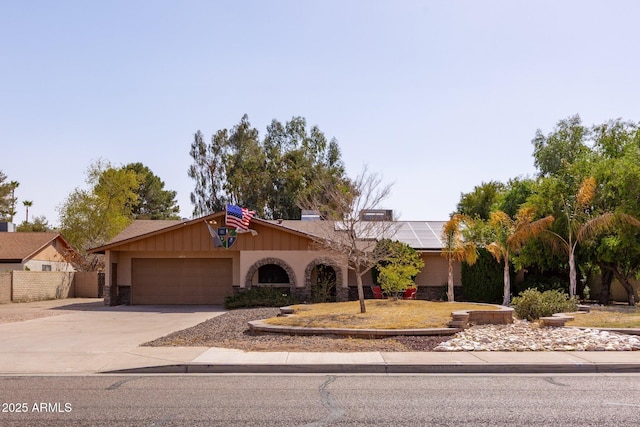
x=423, y=235
x=143, y=226
x=17, y=247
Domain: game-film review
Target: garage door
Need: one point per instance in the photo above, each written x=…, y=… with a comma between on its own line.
x=180, y=281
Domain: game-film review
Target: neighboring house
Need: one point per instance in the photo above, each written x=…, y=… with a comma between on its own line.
x=35, y=252
x=176, y=262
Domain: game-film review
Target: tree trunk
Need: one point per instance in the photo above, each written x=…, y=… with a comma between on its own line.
x=572, y=274
x=624, y=281
x=450, y=296
x=605, y=285
x=360, y=290
x=506, y=300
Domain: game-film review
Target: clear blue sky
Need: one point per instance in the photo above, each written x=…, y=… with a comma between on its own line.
x=438, y=96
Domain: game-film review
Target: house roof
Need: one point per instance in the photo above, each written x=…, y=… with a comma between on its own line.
x=20, y=247
x=420, y=235
x=141, y=227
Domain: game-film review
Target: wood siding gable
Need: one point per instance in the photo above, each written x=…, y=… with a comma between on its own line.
x=195, y=237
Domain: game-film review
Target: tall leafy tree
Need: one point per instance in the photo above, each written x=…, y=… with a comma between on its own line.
x=554, y=153
x=5, y=192
x=267, y=175
x=297, y=158
x=208, y=172
x=245, y=164
x=480, y=202
x=90, y=217
x=38, y=224
x=588, y=178
x=7, y=198
x=515, y=195
x=154, y=202
x=617, y=170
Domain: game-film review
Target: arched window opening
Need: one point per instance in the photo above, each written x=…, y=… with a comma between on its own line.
x=272, y=273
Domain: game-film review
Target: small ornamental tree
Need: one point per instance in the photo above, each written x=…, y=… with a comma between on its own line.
x=398, y=272
x=344, y=232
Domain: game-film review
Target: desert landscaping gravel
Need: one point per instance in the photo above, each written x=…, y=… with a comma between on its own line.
x=230, y=330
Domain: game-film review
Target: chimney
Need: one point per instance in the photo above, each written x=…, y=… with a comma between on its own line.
x=7, y=227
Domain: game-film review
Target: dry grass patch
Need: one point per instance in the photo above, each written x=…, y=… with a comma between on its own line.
x=628, y=317
x=381, y=314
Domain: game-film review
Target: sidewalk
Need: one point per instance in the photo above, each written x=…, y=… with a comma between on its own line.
x=217, y=360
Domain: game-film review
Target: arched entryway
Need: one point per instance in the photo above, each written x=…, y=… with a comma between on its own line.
x=323, y=281
x=323, y=284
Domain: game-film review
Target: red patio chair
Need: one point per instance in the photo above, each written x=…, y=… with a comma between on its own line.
x=377, y=292
x=410, y=293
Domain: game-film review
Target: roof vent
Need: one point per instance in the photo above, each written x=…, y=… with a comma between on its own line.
x=376, y=215
x=308, y=215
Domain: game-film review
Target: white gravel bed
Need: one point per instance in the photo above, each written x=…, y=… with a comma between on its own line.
x=524, y=336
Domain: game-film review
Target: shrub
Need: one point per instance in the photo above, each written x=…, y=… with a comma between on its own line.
x=543, y=282
x=398, y=271
x=533, y=304
x=484, y=280
x=260, y=297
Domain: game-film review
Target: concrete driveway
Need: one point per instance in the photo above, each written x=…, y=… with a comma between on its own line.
x=84, y=336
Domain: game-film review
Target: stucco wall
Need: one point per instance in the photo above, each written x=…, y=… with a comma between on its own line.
x=436, y=271
x=36, y=265
x=41, y=285
x=618, y=293
x=7, y=267
x=5, y=288
x=297, y=260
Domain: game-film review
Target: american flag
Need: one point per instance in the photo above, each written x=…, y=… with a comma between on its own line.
x=238, y=217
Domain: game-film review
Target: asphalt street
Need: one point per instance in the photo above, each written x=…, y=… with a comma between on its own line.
x=320, y=400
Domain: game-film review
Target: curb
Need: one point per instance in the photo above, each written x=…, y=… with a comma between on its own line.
x=562, y=368
x=261, y=326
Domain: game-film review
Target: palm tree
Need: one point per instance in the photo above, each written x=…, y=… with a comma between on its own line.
x=455, y=248
x=27, y=204
x=508, y=235
x=582, y=225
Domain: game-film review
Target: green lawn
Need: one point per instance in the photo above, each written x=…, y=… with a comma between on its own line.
x=608, y=317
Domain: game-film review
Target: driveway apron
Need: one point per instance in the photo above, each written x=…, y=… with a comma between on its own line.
x=91, y=341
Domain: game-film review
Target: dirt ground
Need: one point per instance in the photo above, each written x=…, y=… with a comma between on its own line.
x=19, y=312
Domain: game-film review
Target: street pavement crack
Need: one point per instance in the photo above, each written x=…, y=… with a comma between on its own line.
x=117, y=385
x=335, y=411
x=162, y=421
x=550, y=380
